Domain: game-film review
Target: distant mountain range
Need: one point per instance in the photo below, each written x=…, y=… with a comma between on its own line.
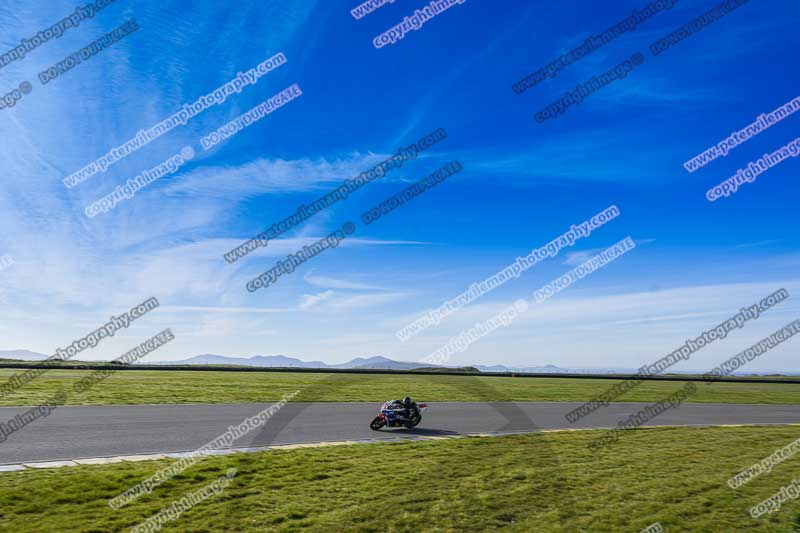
x=377, y=363
x=281, y=361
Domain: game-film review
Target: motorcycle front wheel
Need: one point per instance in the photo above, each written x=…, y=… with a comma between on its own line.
x=377, y=423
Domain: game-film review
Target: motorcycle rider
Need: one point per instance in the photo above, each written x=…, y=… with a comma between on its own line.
x=407, y=407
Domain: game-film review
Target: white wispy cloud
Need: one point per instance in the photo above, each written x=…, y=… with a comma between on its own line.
x=311, y=300
x=368, y=300
x=333, y=301
x=576, y=258
x=335, y=283
x=269, y=176
x=217, y=309
x=758, y=243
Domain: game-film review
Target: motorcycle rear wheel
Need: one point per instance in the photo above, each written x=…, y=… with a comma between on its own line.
x=413, y=422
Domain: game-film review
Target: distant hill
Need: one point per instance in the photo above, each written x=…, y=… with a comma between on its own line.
x=464, y=369
x=22, y=355
x=547, y=369
x=278, y=361
x=381, y=363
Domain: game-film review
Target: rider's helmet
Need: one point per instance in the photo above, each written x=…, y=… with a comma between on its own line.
x=407, y=401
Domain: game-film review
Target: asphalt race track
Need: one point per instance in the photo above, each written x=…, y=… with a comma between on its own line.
x=105, y=431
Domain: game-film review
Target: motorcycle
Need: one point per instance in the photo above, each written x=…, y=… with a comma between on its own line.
x=388, y=417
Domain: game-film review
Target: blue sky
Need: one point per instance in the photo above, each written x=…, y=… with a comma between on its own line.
x=523, y=183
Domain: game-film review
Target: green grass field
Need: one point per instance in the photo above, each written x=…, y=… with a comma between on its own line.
x=142, y=387
x=544, y=483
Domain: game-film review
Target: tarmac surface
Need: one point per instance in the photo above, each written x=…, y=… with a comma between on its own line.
x=71, y=433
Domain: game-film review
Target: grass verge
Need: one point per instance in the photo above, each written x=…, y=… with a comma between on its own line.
x=176, y=387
